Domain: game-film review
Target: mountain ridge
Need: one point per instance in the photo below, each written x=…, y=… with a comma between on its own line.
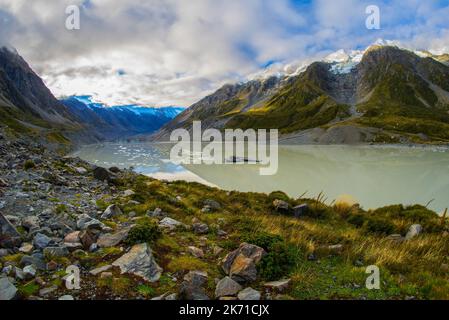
x=390, y=95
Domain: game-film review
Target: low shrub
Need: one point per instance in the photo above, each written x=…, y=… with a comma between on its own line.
x=280, y=260
x=145, y=231
x=263, y=239
x=29, y=164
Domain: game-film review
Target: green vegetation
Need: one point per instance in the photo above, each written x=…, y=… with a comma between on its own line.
x=144, y=231
x=29, y=164
x=412, y=268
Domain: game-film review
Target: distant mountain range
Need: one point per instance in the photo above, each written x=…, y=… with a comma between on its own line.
x=27, y=107
x=120, y=121
x=381, y=94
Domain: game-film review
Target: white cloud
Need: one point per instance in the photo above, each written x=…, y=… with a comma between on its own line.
x=174, y=52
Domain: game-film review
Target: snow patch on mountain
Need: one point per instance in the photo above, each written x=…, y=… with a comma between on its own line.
x=344, y=61
x=169, y=111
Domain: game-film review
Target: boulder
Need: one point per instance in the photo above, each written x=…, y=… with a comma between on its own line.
x=87, y=222
x=41, y=241
x=111, y=211
x=169, y=223
x=36, y=260
x=30, y=223
x=56, y=252
x=240, y=264
x=9, y=237
x=301, y=210
x=200, y=228
x=414, y=231
x=103, y=174
x=7, y=290
x=46, y=291
x=227, y=287
x=278, y=286
x=211, y=205
x=157, y=213
x=81, y=170
x=281, y=206
x=100, y=270
x=109, y=240
x=243, y=269
x=87, y=238
x=196, y=252
x=73, y=237
x=249, y=294
x=29, y=272
x=128, y=193
x=140, y=261
x=26, y=248
x=192, y=288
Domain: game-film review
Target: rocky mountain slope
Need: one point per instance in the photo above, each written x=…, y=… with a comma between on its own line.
x=132, y=237
x=384, y=94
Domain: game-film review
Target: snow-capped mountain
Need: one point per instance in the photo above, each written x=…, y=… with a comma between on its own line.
x=343, y=61
x=120, y=121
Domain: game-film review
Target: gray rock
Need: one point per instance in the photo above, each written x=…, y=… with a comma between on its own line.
x=7, y=290
x=4, y=253
x=81, y=170
x=31, y=222
x=240, y=264
x=109, y=240
x=26, y=248
x=111, y=211
x=29, y=272
x=9, y=237
x=66, y=298
x=87, y=222
x=41, y=241
x=301, y=210
x=97, y=271
x=414, y=231
x=280, y=205
x=19, y=273
x=157, y=213
x=196, y=252
x=128, y=193
x=103, y=174
x=169, y=223
x=249, y=294
x=227, y=287
x=278, y=286
x=171, y=297
x=193, y=286
x=140, y=262
x=56, y=252
x=35, y=260
x=46, y=291
x=14, y=220
x=200, y=228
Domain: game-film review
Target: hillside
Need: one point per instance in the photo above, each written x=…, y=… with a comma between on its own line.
x=390, y=95
x=133, y=237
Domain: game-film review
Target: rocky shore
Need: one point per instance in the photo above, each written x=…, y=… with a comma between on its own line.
x=120, y=235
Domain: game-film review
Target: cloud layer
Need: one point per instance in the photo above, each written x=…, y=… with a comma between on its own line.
x=174, y=52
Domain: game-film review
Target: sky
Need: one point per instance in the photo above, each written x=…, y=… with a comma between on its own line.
x=175, y=52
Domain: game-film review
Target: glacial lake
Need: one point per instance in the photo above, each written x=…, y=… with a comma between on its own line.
x=374, y=176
